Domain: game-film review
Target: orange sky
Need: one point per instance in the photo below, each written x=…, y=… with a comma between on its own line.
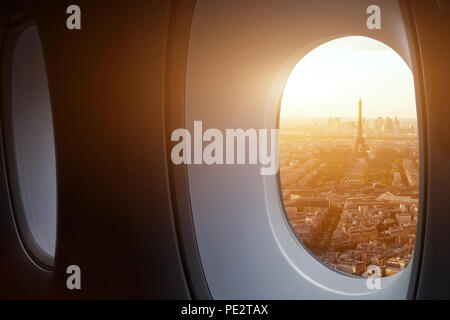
x=330, y=79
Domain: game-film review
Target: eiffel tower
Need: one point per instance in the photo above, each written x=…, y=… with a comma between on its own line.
x=360, y=145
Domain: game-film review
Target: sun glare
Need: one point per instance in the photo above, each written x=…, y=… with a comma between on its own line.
x=329, y=80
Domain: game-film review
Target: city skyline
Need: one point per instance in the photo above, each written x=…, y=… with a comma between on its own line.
x=414, y=118
x=351, y=200
x=368, y=123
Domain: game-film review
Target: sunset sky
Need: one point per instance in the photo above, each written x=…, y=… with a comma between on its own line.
x=329, y=81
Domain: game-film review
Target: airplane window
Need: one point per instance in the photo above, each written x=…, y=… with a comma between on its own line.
x=31, y=151
x=349, y=156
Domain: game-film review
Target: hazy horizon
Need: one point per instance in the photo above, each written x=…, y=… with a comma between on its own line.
x=344, y=118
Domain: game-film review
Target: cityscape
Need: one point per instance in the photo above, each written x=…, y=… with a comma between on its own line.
x=351, y=189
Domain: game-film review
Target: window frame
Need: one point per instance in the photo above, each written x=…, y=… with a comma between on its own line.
x=415, y=263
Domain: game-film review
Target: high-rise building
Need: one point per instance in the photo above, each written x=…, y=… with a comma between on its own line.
x=379, y=124
x=388, y=126
x=396, y=126
x=334, y=124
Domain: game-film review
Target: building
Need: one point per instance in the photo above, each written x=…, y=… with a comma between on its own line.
x=411, y=173
x=379, y=125
x=396, y=126
x=397, y=179
x=388, y=126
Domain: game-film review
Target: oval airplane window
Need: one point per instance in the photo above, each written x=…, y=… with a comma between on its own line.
x=30, y=147
x=349, y=156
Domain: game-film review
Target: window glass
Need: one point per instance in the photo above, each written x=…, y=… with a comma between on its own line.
x=33, y=144
x=349, y=156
